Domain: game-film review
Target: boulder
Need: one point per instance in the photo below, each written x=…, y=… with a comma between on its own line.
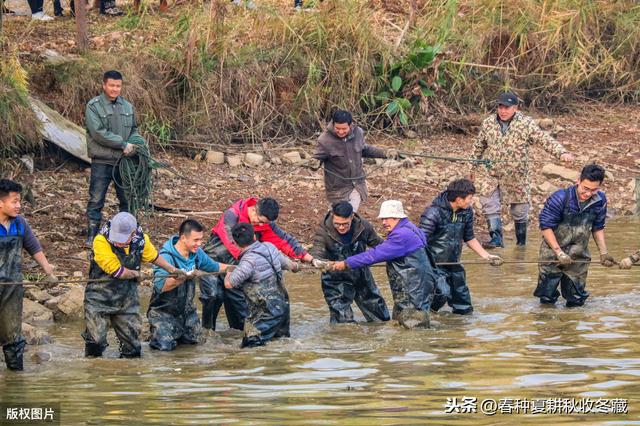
x=70, y=305
x=34, y=335
x=547, y=188
x=253, y=160
x=554, y=171
x=52, y=303
x=234, y=160
x=292, y=157
x=37, y=295
x=34, y=313
x=214, y=157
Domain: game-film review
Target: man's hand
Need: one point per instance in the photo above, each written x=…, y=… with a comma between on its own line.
x=567, y=157
x=564, y=258
x=314, y=164
x=495, y=260
x=129, y=274
x=392, y=153
x=179, y=274
x=319, y=264
x=626, y=263
x=295, y=267
x=339, y=266
x=607, y=260
x=50, y=281
x=129, y=149
x=229, y=269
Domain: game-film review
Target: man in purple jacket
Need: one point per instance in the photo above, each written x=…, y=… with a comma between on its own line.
x=569, y=217
x=411, y=274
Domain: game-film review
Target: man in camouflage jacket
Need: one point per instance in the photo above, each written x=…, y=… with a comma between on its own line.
x=505, y=140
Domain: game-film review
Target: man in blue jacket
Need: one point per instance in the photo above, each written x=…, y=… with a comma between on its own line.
x=172, y=311
x=446, y=223
x=567, y=220
x=411, y=274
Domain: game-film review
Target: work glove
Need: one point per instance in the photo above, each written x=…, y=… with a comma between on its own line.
x=295, y=267
x=319, y=264
x=129, y=274
x=564, y=258
x=50, y=281
x=628, y=262
x=607, y=260
x=179, y=274
x=495, y=260
x=392, y=154
x=129, y=149
x=314, y=164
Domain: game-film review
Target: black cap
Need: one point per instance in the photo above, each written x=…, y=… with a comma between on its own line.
x=508, y=99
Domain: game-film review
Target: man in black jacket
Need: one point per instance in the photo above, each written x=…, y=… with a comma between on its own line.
x=446, y=223
x=341, y=234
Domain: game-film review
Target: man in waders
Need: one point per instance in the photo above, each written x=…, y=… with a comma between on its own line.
x=569, y=217
x=221, y=247
x=341, y=148
x=172, y=313
x=259, y=276
x=506, y=138
x=15, y=234
x=118, y=251
x=411, y=273
x=341, y=234
x=446, y=223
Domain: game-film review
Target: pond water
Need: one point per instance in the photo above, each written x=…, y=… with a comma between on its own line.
x=511, y=348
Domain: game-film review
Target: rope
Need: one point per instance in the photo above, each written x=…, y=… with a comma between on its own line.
x=143, y=277
x=364, y=176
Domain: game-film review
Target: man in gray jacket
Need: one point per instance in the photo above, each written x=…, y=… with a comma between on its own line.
x=341, y=148
x=111, y=127
x=259, y=275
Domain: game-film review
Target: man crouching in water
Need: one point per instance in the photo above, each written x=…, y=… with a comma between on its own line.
x=259, y=275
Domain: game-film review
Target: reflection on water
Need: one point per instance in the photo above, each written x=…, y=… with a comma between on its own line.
x=511, y=347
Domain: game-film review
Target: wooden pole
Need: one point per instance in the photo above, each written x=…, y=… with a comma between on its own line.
x=82, y=37
x=637, y=196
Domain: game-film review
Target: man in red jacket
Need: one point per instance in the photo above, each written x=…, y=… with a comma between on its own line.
x=221, y=247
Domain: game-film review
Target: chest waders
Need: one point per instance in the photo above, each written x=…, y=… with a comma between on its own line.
x=11, y=299
x=573, y=235
x=269, y=309
x=213, y=294
x=446, y=246
x=173, y=316
x=411, y=279
x=115, y=303
x=342, y=288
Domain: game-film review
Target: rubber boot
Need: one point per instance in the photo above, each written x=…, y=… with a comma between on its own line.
x=92, y=230
x=521, y=233
x=92, y=350
x=14, y=354
x=495, y=231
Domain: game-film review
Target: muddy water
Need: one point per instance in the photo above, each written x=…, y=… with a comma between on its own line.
x=511, y=347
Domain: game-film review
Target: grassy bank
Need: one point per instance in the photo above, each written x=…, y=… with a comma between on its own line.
x=218, y=73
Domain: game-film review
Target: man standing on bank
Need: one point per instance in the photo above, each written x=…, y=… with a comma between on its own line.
x=341, y=148
x=505, y=140
x=111, y=129
x=569, y=217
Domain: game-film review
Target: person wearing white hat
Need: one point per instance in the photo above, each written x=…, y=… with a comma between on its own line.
x=411, y=273
x=118, y=251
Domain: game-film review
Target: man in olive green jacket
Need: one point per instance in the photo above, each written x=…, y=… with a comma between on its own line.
x=111, y=124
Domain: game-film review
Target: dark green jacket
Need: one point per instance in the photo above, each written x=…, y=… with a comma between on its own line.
x=109, y=126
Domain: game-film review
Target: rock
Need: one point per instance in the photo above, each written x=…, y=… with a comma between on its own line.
x=292, y=157
x=410, y=134
x=393, y=164
x=166, y=193
x=555, y=171
x=277, y=161
x=214, y=157
x=41, y=356
x=547, y=188
x=545, y=123
x=37, y=295
x=253, y=160
x=35, y=336
x=234, y=160
x=70, y=305
x=77, y=274
x=34, y=313
x=52, y=303
x=609, y=176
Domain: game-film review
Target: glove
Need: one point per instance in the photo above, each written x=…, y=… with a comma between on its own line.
x=129, y=274
x=564, y=258
x=320, y=264
x=197, y=273
x=314, y=164
x=179, y=274
x=626, y=263
x=50, y=281
x=495, y=260
x=607, y=260
x=392, y=153
x=230, y=269
x=295, y=267
x=129, y=149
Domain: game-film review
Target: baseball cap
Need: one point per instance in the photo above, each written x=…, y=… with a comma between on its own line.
x=122, y=226
x=508, y=99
